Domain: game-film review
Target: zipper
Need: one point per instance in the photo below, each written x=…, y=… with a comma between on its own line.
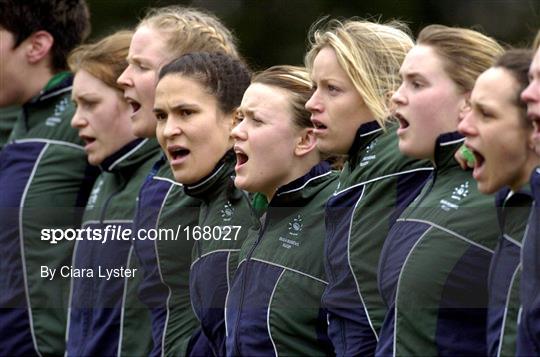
x=243, y=286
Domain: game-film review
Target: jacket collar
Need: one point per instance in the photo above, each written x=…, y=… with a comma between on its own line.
x=364, y=135
x=131, y=154
x=219, y=177
x=445, y=147
x=293, y=190
x=60, y=83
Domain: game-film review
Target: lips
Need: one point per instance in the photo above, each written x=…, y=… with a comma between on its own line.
x=535, y=119
x=319, y=126
x=88, y=140
x=177, y=154
x=135, y=105
x=403, y=123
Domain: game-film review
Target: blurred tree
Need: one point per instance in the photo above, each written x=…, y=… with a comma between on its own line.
x=275, y=31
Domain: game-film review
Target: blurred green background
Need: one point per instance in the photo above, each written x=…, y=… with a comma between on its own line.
x=275, y=31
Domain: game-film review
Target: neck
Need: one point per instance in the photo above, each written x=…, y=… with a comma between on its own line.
x=299, y=169
x=39, y=77
x=526, y=172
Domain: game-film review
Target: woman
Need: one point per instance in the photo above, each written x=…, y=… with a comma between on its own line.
x=529, y=325
x=434, y=264
x=162, y=35
x=282, y=260
x=103, y=120
x=498, y=133
x=195, y=106
x=354, y=69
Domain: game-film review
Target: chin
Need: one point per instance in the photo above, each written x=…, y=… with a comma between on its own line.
x=485, y=188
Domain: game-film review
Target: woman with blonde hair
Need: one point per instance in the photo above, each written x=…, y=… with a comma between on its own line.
x=354, y=69
x=161, y=36
x=434, y=265
x=103, y=121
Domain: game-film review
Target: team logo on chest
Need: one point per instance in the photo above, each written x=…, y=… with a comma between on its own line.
x=294, y=228
x=227, y=212
x=60, y=108
x=459, y=193
x=369, y=156
x=94, y=195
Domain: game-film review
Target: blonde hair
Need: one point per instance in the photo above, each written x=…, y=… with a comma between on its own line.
x=105, y=59
x=465, y=53
x=371, y=55
x=190, y=30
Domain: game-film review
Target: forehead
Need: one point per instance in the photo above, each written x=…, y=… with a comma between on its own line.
x=264, y=98
x=535, y=65
x=147, y=42
x=422, y=59
x=177, y=87
x=496, y=85
x=84, y=81
x=326, y=63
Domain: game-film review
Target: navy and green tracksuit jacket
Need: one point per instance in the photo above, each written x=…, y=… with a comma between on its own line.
x=274, y=305
x=215, y=260
x=513, y=209
x=44, y=184
x=8, y=117
x=528, y=341
x=376, y=184
x=433, y=269
x=165, y=264
x=99, y=305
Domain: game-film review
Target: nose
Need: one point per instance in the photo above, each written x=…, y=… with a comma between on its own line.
x=467, y=126
x=170, y=129
x=398, y=98
x=532, y=92
x=239, y=133
x=314, y=104
x=78, y=121
x=125, y=78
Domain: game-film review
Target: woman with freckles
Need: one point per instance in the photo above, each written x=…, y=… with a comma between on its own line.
x=195, y=106
x=273, y=307
x=434, y=265
x=162, y=35
x=97, y=303
x=529, y=324
x=354, y=70
x=497, y=131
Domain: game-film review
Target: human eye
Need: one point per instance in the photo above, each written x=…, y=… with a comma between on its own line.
x=332, y=89
x=238, y=117
x=416, y=84
x=185, y=112
x=160, y=116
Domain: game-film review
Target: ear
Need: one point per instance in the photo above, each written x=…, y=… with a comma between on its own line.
x=464, y=106
x=38, y=46
x=306, y=142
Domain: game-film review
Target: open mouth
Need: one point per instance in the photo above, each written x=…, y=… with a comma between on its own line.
x=318, y=125
x=177, y=152
x=535, y=119
x=135, y=106
x=241, y=157
x=87, y=139
x=403, y=123
x=479, y=159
